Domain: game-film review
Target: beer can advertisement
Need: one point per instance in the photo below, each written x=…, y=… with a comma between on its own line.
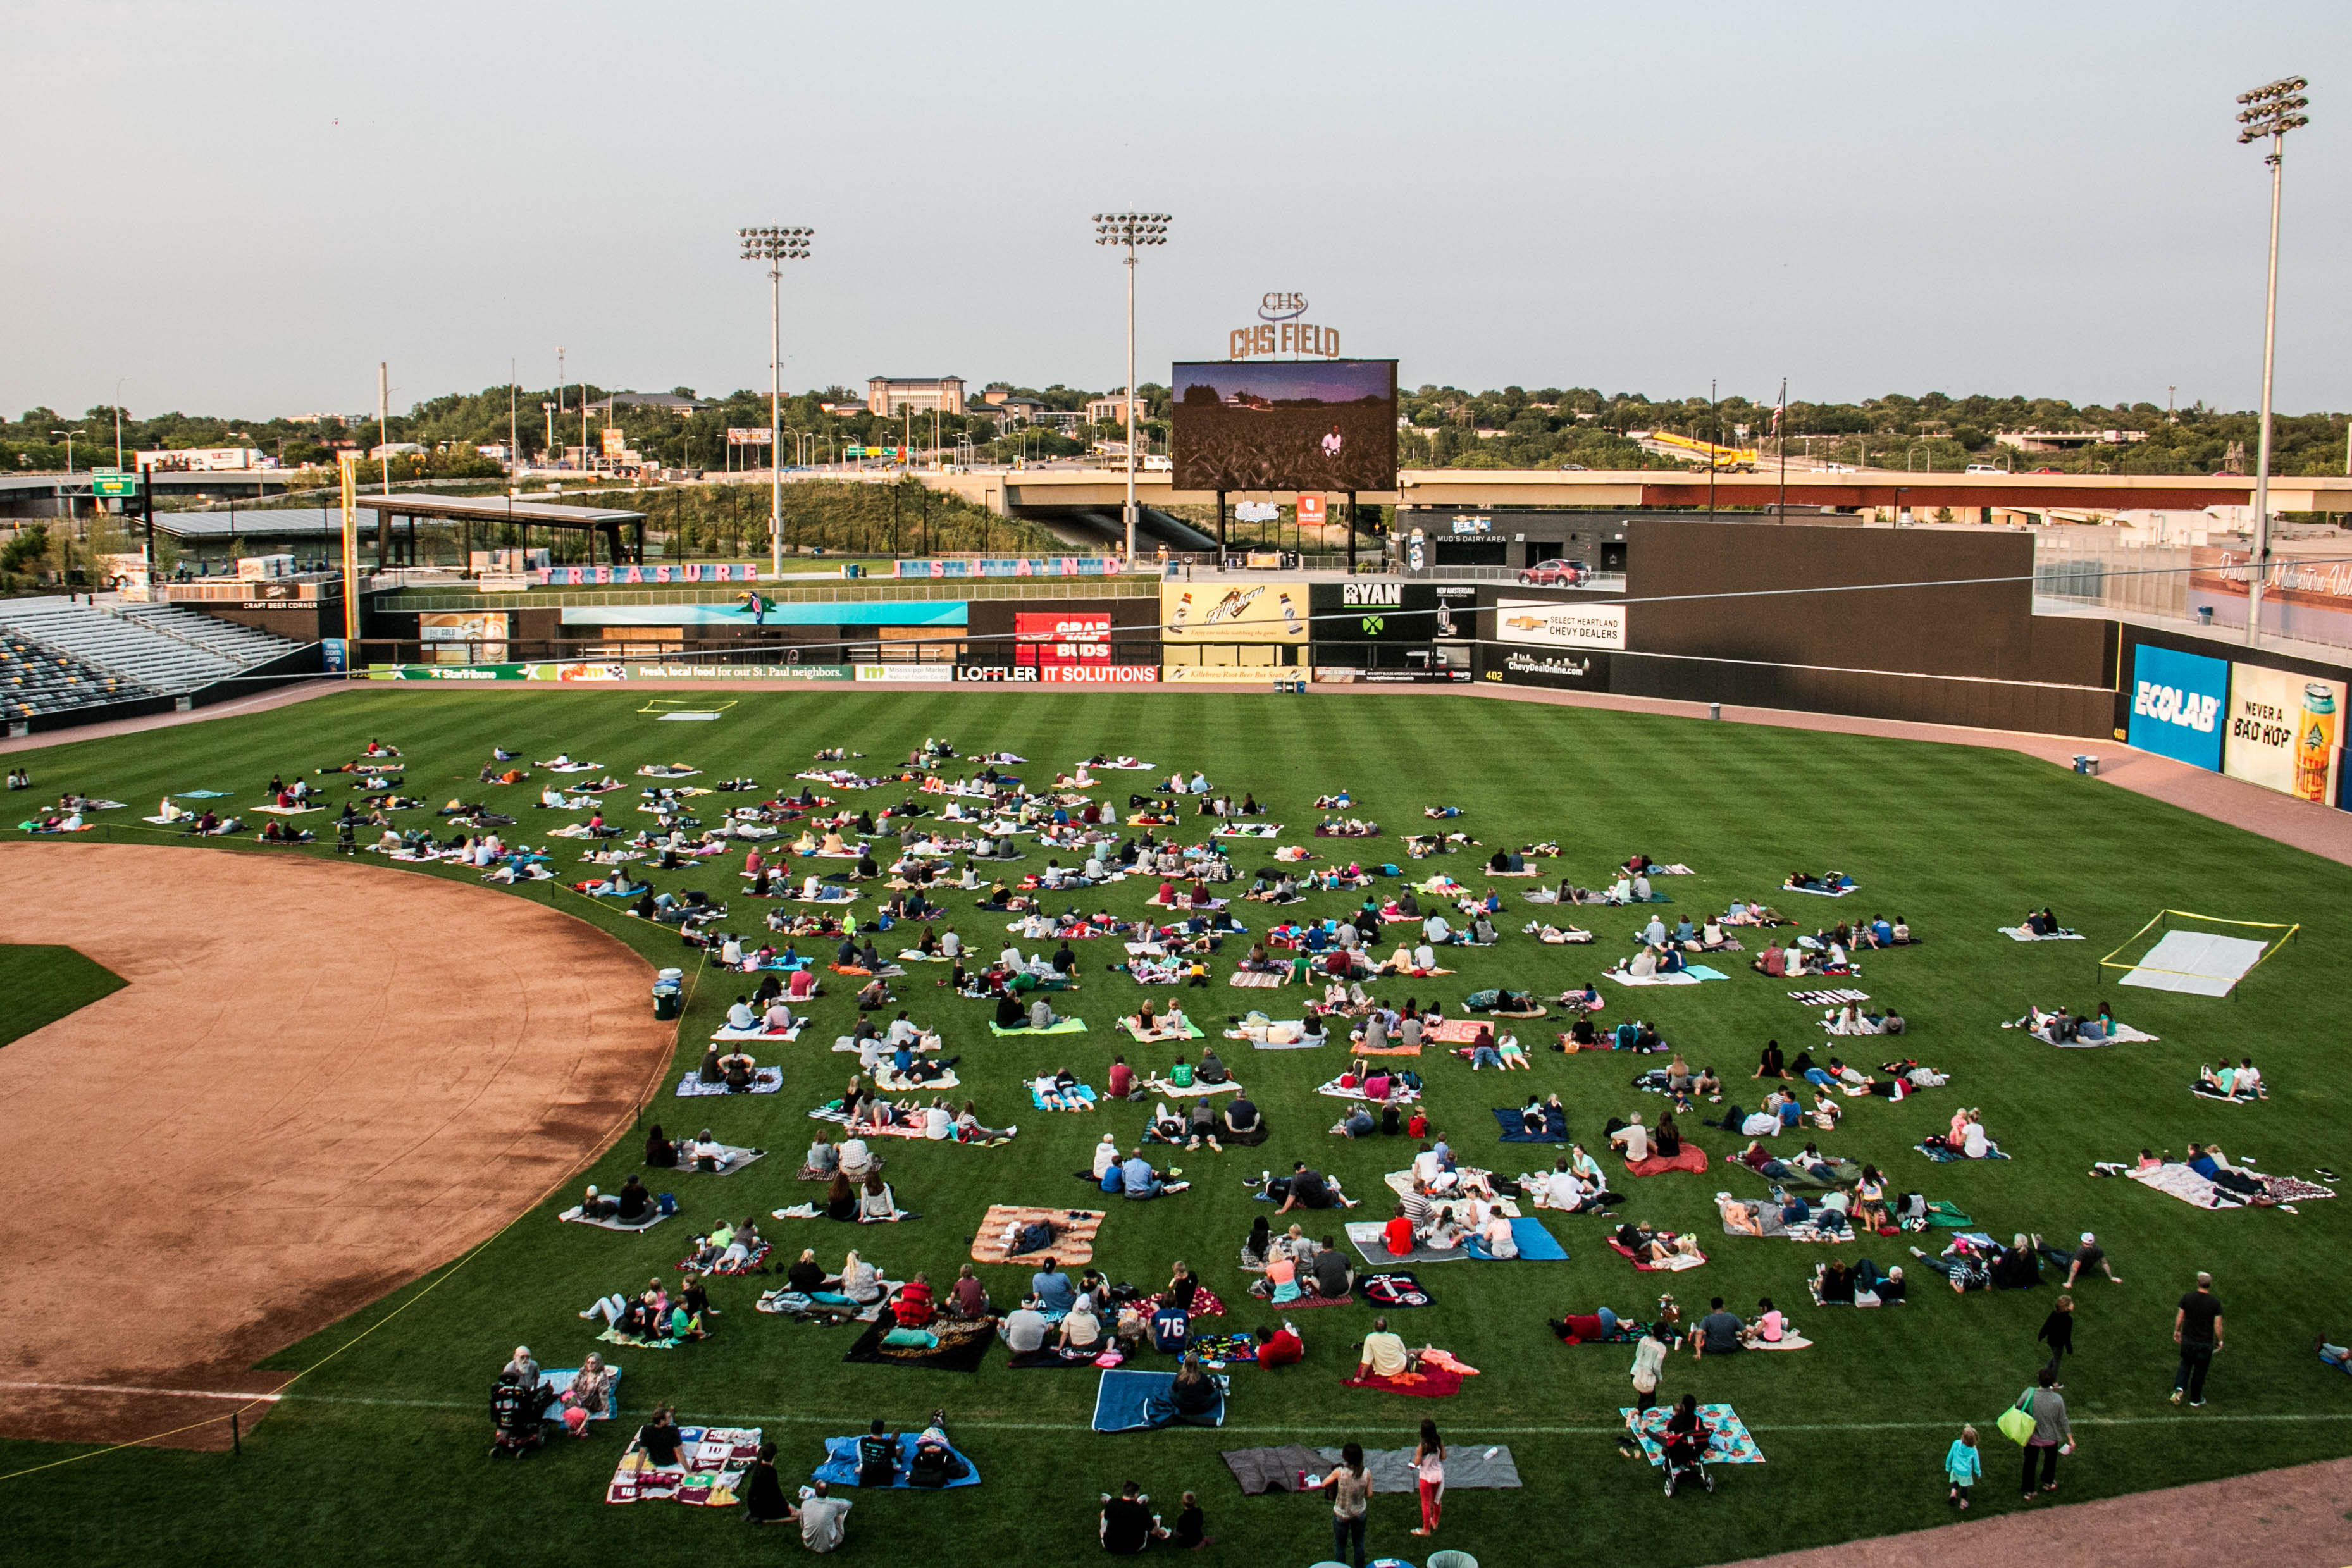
x=2285, y=731
x=1273, y=611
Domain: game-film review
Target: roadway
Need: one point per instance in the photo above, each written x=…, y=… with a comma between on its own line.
x=1034, y=491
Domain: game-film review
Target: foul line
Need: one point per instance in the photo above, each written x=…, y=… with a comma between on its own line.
x=158, y=1393
x=805, y=1419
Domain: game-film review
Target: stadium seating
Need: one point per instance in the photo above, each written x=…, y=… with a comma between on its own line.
x=56, y=654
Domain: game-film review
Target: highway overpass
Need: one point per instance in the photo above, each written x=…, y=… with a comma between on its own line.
x=1042, y=492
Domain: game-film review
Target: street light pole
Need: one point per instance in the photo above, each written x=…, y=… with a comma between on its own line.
x=2271, y=110
x=1130, y=229
x=775, y=246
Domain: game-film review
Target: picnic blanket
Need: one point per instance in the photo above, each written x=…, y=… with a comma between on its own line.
x=558, y=1383
x=1139, y=1402
x=1205, y=1303
x=1555, y=1127
x=1466, y=1469
x=1828, y=998
x=1673, y=1264
x=1365, y=1235
x=1259, y=979
x=885, y=1078
x=1844, y=1172
x=950, y=1345
x=1076, y=1091
x=1064, y=1026
x=764, y=1081
x=840, y=1468
x=1536, y=1244
x=1394, y=1288
x=1689, y=976
x=1728, y=1438
x=729, y=1036
x=1189, y=1032
x=1944, y=1157
x=1456, y=1032
x=2021, y=934
x=1398, y=1093
x=1192, y=1089
x=1789, y=1340
x=733, y=1157
x=2198, y=1192
x=573, y=1216
x=288, y=811
x=1288, y=1469
x=1429, y=1383
x=712, y=1463
x=1821, y=891
x=1073, y=1233
x=2123, y=1035
x=638, y=1342
x=1693, y=1160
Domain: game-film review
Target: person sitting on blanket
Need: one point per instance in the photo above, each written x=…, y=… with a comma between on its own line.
x=2241, y=1083
x=1383, y=1354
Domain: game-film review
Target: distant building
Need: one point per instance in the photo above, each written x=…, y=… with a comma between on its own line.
x=1112, y=410
x=2067, y=440
x=667, y=403
x=888, y=395
x=1012, y=405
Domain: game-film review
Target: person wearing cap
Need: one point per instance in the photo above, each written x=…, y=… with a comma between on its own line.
x=2087, y=1256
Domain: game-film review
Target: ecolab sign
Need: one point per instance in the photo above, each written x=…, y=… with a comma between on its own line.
x=2177, y=705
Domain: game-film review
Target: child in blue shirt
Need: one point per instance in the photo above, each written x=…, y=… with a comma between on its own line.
x=1962, y=1465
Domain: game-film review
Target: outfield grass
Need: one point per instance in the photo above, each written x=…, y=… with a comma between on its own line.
x=44, y=984
x=378, y=1457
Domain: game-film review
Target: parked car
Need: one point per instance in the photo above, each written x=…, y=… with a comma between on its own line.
x=1556, y=574
x=1987, y=468
x=2050, y=470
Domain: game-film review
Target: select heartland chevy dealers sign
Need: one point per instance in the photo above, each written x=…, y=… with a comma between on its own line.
x=1547, y=624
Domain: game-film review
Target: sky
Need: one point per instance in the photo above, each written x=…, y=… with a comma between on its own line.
x=241, y=206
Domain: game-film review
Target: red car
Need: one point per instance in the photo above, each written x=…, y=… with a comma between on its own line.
x=1563, y=573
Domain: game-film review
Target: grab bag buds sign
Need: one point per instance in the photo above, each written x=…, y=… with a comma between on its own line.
x=1279, y=330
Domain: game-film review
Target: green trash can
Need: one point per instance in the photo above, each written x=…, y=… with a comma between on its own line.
x=667, y=985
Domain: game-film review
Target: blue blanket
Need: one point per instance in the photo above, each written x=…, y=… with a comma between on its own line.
x=1946, y=1156
x=1139, y=1402
x=1555, y=1127
x=840, y=1467
x=1534, y=1243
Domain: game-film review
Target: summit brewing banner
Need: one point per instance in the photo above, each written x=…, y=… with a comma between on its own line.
x=2285, y=732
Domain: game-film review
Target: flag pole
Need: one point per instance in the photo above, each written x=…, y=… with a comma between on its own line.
x=1780, y=436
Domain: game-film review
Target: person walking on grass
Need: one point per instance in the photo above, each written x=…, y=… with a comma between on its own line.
x=2053, y=1434
x=1963, y=1466
x=2058, y=1333
x=2197, y=1329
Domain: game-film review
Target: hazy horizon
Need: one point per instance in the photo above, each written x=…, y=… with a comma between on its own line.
x=240, y=208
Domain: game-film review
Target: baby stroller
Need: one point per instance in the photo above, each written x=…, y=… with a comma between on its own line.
x=515, y=1417
x=1686, y=1459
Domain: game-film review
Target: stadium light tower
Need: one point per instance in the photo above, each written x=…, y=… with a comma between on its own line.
x=2270, y=110
x=775, y=246
x=1130, y=229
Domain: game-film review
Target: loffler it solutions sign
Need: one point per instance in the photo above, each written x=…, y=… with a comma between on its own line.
x=2177, y=703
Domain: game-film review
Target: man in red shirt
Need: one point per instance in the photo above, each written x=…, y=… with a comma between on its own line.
x=1280, y=1347
x=1122, y=1078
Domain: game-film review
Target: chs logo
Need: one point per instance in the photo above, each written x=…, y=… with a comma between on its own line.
x=2170, y=705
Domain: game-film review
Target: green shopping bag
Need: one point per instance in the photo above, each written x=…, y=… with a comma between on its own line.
x=2016, y=1422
